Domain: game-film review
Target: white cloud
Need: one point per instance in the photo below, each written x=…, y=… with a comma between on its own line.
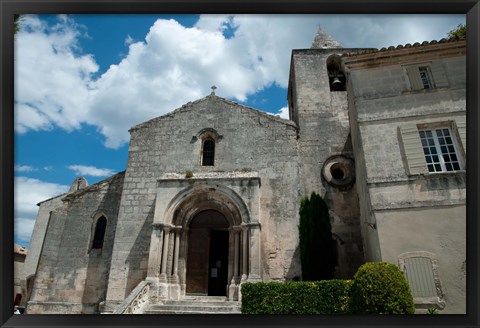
x=283, y=112
x=175, y=65
x=51, y=80
x=23, y=228
x=24, y=168
x=128, y=40
x=377, y=31
x=27, y=193
x=90, y=170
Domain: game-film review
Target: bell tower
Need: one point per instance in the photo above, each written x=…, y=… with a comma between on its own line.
x=318, y=104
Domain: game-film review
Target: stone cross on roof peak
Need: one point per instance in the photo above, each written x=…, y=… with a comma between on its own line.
x=324, y=41
x=213, y=90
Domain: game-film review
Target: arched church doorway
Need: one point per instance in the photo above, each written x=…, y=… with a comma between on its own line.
x=207, y=258
x=203, y=242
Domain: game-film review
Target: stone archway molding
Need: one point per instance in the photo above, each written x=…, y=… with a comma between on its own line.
x=203, y=196
x=178, y=202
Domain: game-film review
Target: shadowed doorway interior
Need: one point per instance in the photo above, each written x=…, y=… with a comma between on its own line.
x=207, y=260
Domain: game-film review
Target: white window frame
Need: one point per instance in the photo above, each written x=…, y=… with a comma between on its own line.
x=433, y=72
x=426, y=77
x=438, y=147
x=413, y=149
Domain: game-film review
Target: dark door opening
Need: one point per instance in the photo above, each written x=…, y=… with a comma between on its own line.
x=207, y=249
x=218, y=263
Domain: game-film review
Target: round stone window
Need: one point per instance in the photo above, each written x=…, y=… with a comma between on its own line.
x=339, y=171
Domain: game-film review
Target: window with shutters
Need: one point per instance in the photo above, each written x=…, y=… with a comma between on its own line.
x=440, y=150
x=434, y=147
x=421, y=271
x=427, y=76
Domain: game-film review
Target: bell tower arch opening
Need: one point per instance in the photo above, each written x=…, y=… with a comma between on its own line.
x=336, y=76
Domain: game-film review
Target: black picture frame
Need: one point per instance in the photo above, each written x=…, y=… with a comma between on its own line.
x=10, y=7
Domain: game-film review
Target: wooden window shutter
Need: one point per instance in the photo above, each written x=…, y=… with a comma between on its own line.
x=413, y=149
x=419, y=274
x=439, y=77
x=462, y=130
x=414, y=77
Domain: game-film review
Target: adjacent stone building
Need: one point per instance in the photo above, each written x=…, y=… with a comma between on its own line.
x=19, y=254
x=211, y=192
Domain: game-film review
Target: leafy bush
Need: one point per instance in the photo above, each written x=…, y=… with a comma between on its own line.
x=296, y=297
x=458, y=33
x=317, y=247
x=380, y=288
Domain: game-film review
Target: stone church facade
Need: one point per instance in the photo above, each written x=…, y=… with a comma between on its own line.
x=211, y=192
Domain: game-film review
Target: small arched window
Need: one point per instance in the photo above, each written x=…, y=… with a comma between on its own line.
x=208, y=152
x=99, y=234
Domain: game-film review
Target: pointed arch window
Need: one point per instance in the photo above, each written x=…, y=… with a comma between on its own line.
x=99, y=234
x=208, y=152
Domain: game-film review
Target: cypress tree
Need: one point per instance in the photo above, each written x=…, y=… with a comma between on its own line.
x=317, y=247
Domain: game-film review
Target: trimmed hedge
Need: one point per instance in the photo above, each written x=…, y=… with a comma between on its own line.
x=380, y=288
x=296, y=297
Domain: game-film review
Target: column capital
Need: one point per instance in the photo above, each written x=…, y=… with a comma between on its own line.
x=235, y=228
x=161, y=226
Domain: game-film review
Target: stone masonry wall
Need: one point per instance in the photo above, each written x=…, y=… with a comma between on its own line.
x=324, y=131
x=71, y=277
x=37, y=240
x=411, y=212
x=439, y=230
x=249, y=140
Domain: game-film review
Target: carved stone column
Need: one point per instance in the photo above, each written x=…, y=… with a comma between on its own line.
x=173, y=286
x=255, y=268
x=236, y=255
x=233, y=293
x=245, y=251
x=177, y=232
x=155, y=255
x=182, y=262
x=166, y=234
x=235, y=232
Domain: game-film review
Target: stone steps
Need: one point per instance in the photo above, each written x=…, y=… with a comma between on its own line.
x=196, y=305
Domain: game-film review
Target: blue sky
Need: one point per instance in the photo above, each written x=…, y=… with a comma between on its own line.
x=81, y=81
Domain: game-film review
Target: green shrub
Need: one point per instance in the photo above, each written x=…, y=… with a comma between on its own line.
x=296, y=297
x=380, y=288
x=317, y=247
